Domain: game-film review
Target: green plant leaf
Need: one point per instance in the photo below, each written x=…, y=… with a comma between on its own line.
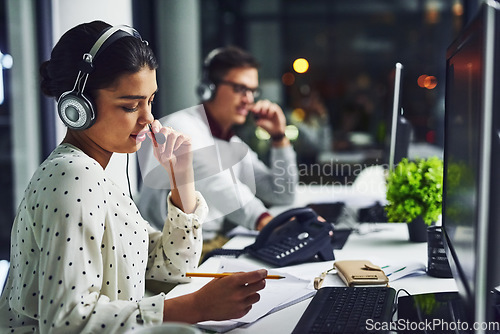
x=414, y=188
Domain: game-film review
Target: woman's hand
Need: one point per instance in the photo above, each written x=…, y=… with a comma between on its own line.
x=225, y=298
x=173, y=150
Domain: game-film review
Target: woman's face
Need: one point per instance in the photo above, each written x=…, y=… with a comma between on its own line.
x=123, y=112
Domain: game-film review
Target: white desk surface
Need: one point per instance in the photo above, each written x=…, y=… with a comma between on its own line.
x=388, y=242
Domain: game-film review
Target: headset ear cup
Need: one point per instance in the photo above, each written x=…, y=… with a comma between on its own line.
x=75, y=111
x=206, y=91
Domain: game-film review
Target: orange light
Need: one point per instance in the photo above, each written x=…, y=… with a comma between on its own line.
x=430, y=82
x=298, y=114
x=421, y=80
x=300, y=65
x=458, y=9
x=288, y=79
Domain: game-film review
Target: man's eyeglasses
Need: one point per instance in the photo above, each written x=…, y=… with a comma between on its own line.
x=242, y=89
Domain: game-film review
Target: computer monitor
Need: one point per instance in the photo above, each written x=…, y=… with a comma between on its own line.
x=471, y=196
x=400, y=134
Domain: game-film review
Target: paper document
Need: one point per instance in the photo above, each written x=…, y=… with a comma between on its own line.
x=277, y=295
x=399, y=270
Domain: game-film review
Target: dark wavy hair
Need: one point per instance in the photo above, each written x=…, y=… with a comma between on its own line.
x=128, y=54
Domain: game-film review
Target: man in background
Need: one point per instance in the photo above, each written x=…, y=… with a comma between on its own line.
x=239, y=192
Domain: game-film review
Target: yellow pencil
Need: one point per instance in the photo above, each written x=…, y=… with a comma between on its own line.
x=226, y=274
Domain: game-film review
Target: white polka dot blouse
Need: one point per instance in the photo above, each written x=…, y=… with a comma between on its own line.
x=81, y=252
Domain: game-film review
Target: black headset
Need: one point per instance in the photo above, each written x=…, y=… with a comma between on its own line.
x=206, y=88
x=75, y=109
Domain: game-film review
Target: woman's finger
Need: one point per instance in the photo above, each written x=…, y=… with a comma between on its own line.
x=170, y=141
x=182, y=139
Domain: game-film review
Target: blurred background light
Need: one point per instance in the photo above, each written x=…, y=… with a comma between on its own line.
x=261, y=134
x=300, y=65
x=421, y=80
x=288, y=79
x=298, y=115
x=430, y=82
x=291, y=132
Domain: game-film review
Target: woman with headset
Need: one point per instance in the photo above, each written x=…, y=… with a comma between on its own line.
x=80, y=250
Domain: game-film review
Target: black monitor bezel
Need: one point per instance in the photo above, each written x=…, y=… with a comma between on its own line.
x=479, y=298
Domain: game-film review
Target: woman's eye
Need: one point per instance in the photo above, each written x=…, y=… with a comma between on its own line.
x=127, y=109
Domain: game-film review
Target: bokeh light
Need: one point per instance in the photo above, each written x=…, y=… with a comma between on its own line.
x=300, y=65
x=458, y=9
x=298, y=115
x=291, y=132
x=288, y=79
x=261, y=134
x=430, y=82
x=427, y=81
x=421, y=79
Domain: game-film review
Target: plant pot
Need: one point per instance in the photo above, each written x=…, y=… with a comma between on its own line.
x=417, y=230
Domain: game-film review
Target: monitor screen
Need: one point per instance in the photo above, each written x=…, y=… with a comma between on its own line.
x=471, y=199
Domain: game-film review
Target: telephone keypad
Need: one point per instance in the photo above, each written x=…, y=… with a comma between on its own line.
x=287, y=246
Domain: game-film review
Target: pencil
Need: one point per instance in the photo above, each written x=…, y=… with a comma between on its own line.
x=226, y=274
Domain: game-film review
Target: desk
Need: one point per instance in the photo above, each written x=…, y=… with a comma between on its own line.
x=390, y=241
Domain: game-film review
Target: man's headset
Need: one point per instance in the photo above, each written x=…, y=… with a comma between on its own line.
x=206, y=88
x=75, y=109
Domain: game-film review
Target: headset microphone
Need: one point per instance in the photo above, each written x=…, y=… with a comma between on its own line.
x=160, y=138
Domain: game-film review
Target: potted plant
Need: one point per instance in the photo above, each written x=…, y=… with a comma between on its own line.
x=414, y=194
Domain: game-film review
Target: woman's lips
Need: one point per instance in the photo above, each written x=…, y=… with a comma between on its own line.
x=140, y=137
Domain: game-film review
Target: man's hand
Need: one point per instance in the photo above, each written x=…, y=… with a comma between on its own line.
x=271, y=118
x=263, y=222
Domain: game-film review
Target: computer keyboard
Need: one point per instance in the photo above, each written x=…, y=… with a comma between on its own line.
x=347, y=310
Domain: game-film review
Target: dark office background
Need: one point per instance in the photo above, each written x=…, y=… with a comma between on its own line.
x=352, y=47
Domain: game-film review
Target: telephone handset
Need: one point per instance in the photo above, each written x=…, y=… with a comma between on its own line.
x=295, y=236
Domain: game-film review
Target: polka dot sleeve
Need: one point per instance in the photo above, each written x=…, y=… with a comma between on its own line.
x=79, y=251
x=177, y=249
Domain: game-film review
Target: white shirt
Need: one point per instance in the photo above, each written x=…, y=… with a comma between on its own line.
x=81, y=252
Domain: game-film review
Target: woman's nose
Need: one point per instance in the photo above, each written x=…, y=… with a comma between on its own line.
x=147, y=116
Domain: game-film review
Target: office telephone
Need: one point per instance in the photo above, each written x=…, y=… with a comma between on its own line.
x=295, y=236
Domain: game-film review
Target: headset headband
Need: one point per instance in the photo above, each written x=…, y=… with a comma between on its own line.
x=109, y=36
